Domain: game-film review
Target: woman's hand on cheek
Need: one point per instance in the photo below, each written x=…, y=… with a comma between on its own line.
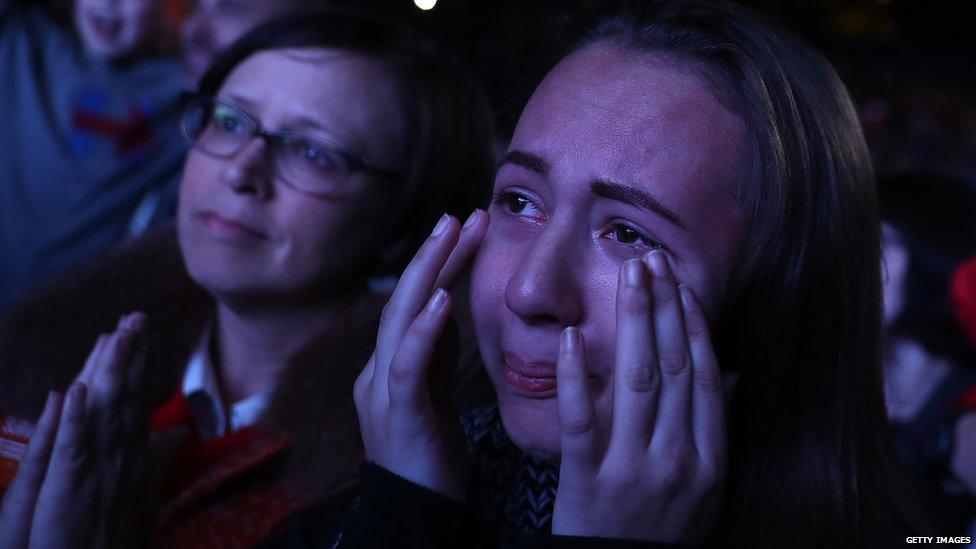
x=658, y=473
x=403, y=401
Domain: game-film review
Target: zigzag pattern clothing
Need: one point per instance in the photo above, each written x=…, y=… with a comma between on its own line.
x=514, y=491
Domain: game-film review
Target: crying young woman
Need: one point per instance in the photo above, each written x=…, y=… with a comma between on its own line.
x=677, y=299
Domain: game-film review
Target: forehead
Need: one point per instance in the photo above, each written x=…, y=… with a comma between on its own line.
x=349, y=95
x=638, y=119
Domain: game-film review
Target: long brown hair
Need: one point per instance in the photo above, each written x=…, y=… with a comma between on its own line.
x=810, y=461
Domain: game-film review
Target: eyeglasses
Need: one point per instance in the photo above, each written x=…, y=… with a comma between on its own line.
x=305, y=163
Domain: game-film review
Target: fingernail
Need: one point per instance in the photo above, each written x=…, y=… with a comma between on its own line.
x=657, y=263
x=51, y=396
x=138, y=322
x=436, y=301
x=130, y=321
x=471, y=219
x=77, y=389
x=634, y=273
x=570, y=339
x=687, y=297
x=441, y=225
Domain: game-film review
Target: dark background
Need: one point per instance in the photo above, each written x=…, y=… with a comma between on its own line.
x=910, y=65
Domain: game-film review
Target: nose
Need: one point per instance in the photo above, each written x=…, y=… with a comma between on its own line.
x=545, y=288
x=249, y=171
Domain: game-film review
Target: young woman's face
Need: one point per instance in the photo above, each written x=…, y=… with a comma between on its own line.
x=616, y=153
x=244, y=232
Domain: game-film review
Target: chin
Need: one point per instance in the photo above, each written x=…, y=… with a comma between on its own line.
x=532, y=424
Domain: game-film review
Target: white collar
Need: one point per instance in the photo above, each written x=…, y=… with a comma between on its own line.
x=202, y=392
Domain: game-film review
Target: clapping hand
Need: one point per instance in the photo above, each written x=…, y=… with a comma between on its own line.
x=81, y=481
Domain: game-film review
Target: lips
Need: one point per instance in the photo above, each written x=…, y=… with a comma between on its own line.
x=532, y=378
x=229, y=228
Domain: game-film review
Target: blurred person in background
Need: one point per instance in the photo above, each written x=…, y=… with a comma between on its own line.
x=89, y=112
x=259, y=313
x=963, y=460
x=212, y=25
x=929, y=229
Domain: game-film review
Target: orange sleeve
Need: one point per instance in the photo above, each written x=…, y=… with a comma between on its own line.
x=14, y=435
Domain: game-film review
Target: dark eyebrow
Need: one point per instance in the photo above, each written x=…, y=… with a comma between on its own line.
x=635, y=197
x=526, y=160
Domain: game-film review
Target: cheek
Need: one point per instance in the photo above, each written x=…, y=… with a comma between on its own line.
x=200, y=175
x=324, y=241
x=492, y=269
x=304, y=231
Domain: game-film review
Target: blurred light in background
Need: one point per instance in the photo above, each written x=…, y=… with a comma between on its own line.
x=425, y=4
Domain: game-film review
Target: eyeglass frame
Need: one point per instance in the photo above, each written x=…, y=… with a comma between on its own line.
x=271, y=138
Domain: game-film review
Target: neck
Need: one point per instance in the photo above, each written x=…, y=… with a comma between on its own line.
x=255, y=344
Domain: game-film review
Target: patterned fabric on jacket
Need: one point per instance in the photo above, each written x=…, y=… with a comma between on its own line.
x=514, y=491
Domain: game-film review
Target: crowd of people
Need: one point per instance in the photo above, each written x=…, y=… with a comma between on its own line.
x=295, y=289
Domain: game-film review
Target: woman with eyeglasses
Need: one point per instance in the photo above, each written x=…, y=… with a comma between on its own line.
x=324, y=148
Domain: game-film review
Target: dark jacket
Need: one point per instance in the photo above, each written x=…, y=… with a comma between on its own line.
x=510, y=504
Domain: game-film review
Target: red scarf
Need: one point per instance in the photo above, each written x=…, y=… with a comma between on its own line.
x=222, y=492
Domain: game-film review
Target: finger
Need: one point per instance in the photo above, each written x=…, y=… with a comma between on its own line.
x=472, y=233
x=411, y=293
x=94, y=358
x=407, y=380
x=105, y=398
x=673, y=422
x=580, y=442
x=708, y=405
x=137, y=321
x=68, y=452
x=636, y=380
x=363, y=385
x=362, y=389
x=17, y=510
x=60, y=493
